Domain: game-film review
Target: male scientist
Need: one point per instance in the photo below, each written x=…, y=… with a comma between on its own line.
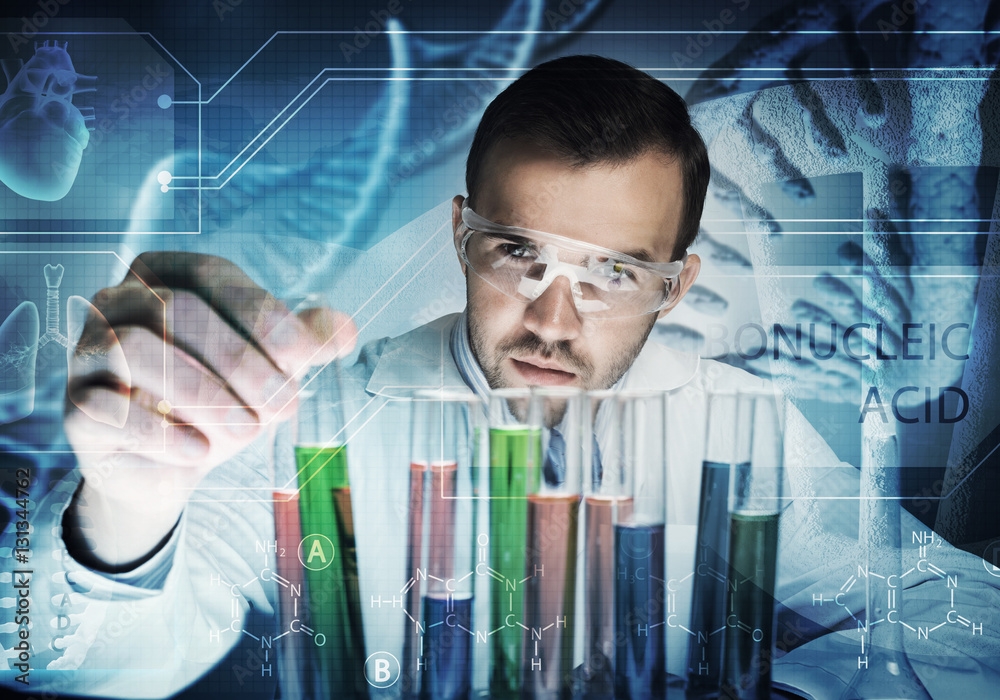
x=585, y=186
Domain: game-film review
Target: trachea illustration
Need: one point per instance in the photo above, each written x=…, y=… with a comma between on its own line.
x=20, y=342
x=53, y=278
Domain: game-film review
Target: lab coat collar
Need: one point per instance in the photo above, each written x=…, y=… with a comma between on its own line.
x=418, y=359
x=663, y=368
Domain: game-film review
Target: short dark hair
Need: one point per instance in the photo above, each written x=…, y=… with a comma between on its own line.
x=591, y=110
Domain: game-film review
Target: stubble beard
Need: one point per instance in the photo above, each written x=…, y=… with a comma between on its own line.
x=530, y=344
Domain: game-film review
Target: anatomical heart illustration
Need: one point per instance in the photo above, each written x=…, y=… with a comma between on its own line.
x=42, y=133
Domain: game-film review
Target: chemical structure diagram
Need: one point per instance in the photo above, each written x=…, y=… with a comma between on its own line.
x=891, y=585
x=409, y=601
x=718, y=591
x=658, y=610
x=708, y=641
x=453, y=615
x=290, y=595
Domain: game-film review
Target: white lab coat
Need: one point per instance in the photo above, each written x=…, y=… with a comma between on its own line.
x=105, y=636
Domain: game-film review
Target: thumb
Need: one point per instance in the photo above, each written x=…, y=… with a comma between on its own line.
x=333, y=332
x=310, y=337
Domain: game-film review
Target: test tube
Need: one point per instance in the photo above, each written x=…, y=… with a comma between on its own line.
x=640, y=548
x=294, y=667
x=606, y=502
x=554, y=489
x=755, y=503
x=708, y=595
x=441, y=553
x=885, y=671
x=515, y=446
x=328, y=550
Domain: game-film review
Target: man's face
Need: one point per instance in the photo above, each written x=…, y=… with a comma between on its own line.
x=633, y=208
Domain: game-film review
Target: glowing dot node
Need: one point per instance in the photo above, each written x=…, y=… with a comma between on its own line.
x=164, y=101
x=164, y=188
x=164, y=407
x=164, y=177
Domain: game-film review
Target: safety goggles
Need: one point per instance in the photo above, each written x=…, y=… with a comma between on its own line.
x=522, y=263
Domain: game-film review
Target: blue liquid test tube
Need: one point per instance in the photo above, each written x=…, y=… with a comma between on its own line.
x=708, y=598
x=439, y=596
x=640, y=546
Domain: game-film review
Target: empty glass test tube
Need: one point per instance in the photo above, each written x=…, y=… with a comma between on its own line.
x=441, y=556
x=883, y=667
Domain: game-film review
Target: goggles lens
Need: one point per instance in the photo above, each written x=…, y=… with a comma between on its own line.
x=522, y=264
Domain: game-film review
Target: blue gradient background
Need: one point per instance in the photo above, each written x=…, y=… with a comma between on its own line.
x=366, y=157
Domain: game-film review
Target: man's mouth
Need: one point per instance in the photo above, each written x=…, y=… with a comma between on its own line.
x=541, y=372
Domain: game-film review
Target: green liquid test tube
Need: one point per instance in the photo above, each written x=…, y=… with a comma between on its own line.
x=514, y=452
x=329, y=555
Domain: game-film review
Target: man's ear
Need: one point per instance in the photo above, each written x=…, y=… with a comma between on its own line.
x=686, y=279
x=457, y=229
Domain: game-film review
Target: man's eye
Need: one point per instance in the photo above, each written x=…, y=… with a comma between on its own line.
x=619, y=271
x=517, y=250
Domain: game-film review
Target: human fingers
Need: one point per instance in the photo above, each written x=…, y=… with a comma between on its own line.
x=187, y=399
x=144, y=438
x=175, y=321
x=788, y=31
x=253, y=312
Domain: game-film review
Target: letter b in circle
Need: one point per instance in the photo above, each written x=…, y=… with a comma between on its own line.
x=381, y=669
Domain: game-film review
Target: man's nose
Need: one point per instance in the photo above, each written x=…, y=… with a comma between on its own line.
x=553, y=316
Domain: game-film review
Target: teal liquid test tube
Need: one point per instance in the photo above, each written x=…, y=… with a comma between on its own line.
x=755, y=504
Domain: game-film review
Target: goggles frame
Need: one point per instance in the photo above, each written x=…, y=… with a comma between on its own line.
x=668, y=271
